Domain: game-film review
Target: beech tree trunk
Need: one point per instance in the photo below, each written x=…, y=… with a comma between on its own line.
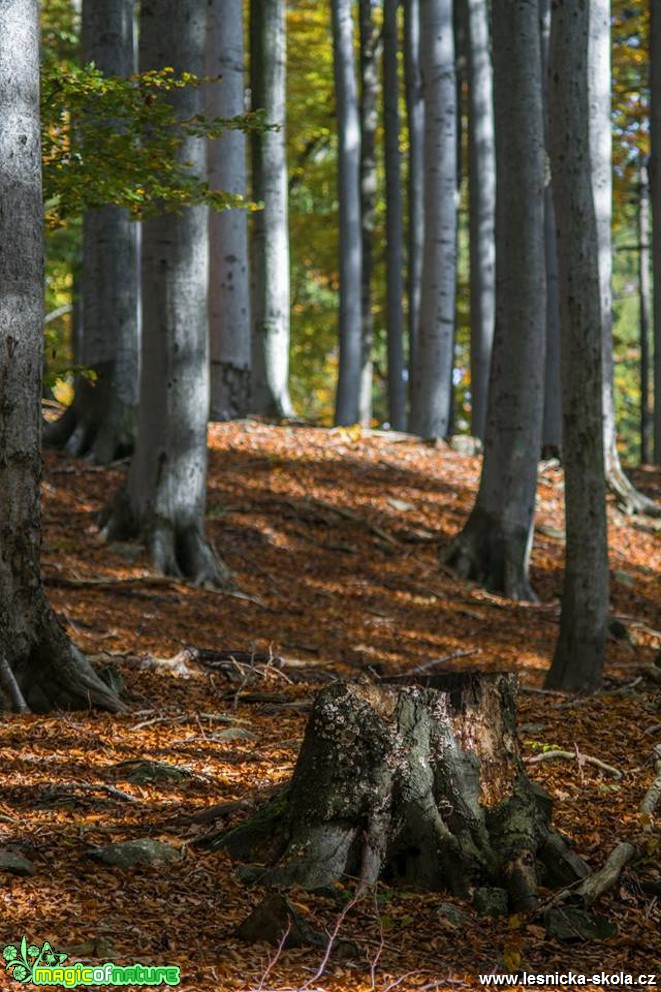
x=40, y=666
x=416, y=176
x=431, y=396
x=229, y=281
x=394, y=221
x=579, y=654
x=350, y=264
x=655, y=199
x=271, y=278
x=552, y=426
x=494, y=546
x=101, y=419
x=369, y=119
x=601, y=143
x=644, y=295
x=482, y=193
x=166, y=494
x=417, y=782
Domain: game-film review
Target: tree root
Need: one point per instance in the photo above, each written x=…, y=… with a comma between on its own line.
x=485, y=553
x=630, y=500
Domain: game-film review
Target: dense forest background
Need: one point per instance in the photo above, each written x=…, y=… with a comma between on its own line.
x=313, y=212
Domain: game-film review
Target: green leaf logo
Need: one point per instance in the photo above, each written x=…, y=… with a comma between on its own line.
x=21, y=960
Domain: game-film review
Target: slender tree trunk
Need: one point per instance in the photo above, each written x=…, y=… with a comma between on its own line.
x=494, y=546
x=394, y=220
x=41, y=668
x=101, y=419
x=271, y=279
x=645, y=309
x=655, y=198
x=552, y=427
x=579, y=653
x=348, y=387
x=369, y=93
x=229, y=281
x=415, y=181
x=165, y=499
x=432, y=373
x=601, y=157
x=482, y=201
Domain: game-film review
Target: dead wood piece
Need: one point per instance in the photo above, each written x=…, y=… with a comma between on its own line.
x=653, y=794
x=574, y=756
x=417, y=780
x=594, y=886
x=435, y=662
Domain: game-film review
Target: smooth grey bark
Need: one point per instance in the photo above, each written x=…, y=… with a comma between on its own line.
x=394, y=220
x=165, y=498
x=229, y=279
x=350, y=262
x=432, y=373
x=416, y=781
x=655, y=199
x=644, y=292
x=369, y=92
x=601, y=143
x=415, y=180
x=47, y=671
x=579, y=653
x=101, y=419
x=482, y=206
x=270, y=233
x=552, y=427
x=494, y=546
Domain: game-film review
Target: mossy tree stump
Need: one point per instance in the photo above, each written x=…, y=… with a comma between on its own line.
x=417, y=781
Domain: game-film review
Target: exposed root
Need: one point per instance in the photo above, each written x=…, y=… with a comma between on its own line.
x=630, y=500
x=594, y=886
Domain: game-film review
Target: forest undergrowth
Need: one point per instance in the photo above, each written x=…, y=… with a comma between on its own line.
x=333, y=537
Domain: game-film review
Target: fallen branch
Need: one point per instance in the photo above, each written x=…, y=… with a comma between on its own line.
x=577, y=756
x=594, y=886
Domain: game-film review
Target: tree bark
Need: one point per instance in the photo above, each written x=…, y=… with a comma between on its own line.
x=579, y=653
x=431, y=396
x=644, y=292
x=166, y=494
x=417, y=782
x=394, y=221
x=369, y=92
x=552, y=425
x=101, y=419
x=271, y=279
x=229, y=281
x=348, y=386
x=655, y=197
x=415, y=181
x=494, y=546
x=47, y=669
x=482, y=200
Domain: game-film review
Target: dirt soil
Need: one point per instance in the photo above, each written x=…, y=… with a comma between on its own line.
x=333, y=537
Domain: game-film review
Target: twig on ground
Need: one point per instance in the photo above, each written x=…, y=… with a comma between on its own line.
x=435, y=662
x=571, y=756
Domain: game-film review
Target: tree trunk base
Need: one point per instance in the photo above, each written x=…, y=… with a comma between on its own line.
x=417, y=782
x=630, y=500
x=97, y=423
x=486, y=553
x=51, y=673
x=178, y=550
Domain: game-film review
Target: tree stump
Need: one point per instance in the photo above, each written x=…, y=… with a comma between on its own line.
x=418, y=782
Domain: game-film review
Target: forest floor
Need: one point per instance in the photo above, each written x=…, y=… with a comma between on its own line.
x=333, y=536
